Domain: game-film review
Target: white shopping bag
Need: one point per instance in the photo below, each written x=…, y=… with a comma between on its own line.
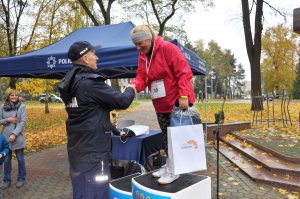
x=186, y=148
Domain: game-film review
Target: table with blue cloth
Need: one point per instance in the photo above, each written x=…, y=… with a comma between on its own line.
x=137, y=148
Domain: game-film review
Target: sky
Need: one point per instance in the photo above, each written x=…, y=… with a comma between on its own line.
x=223, y=24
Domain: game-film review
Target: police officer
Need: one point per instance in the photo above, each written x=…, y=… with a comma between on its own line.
x=88, y=101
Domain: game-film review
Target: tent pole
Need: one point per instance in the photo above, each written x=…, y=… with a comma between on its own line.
x=206, y=117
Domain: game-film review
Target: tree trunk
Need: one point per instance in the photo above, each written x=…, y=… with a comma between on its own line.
x=13, y=82
x=47, y=103
x=115, y=84
x=46, y=97
x=254, y=50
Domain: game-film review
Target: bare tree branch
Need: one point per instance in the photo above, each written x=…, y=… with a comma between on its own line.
x=88, y=12
x=7, y=28
x=22, y=6
x=283, y=14
x=162, y=24
x=41, y=8
x=105, y=12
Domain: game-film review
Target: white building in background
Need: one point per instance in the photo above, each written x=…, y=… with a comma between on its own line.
x=123, y=83
x=247, y=88
x=141, y=95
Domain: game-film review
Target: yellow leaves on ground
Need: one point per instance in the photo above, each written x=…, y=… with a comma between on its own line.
x=229, y=137
x=257, y=166
x=292, y=195
x=287, y=177
x=282, y=191
x=44, y=139
x=245, y=144
x=236, y=168
x=235, y=183
x=287, y=145
x=242, y=112
x=46, y=130
x=230, y=178
x=233, y=112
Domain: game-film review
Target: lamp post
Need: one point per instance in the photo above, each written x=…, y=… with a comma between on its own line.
x=211, y=73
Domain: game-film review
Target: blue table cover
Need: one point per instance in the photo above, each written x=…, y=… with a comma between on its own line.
x=137, y=148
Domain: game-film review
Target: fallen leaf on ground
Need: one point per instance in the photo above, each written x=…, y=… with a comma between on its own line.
x=282, y=191
x=287, y=177
x=236, y=169
x=257, y=166
x=290, y=196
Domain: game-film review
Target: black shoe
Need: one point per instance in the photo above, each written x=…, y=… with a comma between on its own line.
x=5, y=185
x=20, y=184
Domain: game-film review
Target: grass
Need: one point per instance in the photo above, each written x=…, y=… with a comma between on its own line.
x=241, y=111
x=286, y=147
x=281, y=140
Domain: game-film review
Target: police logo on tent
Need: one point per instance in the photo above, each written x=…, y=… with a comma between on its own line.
x=51, y=62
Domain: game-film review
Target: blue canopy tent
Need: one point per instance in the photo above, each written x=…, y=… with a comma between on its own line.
x=118, y=55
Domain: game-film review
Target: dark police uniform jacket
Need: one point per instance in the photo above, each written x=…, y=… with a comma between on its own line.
x=88, y=101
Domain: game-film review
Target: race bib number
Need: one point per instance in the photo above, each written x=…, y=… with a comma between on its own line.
x=158, y=89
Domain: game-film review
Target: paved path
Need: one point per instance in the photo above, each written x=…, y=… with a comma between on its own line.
x=47, y=171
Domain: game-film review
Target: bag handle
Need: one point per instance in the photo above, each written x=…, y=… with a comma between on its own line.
x=124, y=138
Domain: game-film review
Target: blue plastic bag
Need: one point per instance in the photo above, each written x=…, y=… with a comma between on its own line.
x=181, y=117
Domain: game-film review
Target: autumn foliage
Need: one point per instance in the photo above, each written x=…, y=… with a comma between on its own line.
x=241, y=112
x=47, y=130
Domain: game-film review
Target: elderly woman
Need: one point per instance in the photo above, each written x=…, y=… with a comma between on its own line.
x=164, y=70
x=13, y=119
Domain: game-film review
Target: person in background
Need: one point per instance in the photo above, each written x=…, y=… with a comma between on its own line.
x=4, y=150
x=13, y=118
x=164, y=70
x=200, y=96
x=88, y=101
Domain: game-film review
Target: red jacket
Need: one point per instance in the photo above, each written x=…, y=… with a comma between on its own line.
x=169, y=64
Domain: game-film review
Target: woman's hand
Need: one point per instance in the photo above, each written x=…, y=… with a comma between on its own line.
x=183, y=103
x=132, y=86
x=12, y=138
x=12, y=119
